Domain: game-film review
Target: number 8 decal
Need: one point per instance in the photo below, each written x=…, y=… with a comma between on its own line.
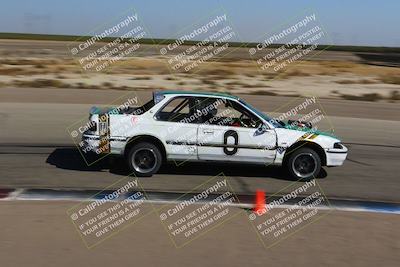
x=234, y=150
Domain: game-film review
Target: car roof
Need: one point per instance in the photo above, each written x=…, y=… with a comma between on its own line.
x=215, y=94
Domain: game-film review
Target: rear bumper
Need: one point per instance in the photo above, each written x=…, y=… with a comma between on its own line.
x=91, y=143
x=335, y=157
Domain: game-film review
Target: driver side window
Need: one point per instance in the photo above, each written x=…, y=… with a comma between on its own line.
x=224, y=112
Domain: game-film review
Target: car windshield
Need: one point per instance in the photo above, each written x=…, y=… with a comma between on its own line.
x=261, y=114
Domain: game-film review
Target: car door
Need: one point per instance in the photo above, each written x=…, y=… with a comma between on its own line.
x=230, y=132
x=177, y=126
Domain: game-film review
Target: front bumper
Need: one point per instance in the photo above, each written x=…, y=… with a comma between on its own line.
x=336, y=156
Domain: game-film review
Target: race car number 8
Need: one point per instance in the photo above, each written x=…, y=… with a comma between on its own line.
x=227, y=149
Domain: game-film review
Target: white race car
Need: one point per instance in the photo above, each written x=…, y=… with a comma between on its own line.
x=192, y=126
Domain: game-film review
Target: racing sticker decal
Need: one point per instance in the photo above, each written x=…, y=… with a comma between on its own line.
x=104, y=132
x=234, y=134
x=308, y=136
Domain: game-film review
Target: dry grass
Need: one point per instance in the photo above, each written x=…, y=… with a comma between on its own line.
x=263, y=92
x=360, y=81
x=236, y=83
x=293, y=73
x=107, y=85
x=364, y=97
x=257, y=85
x=391, y=79
x=12, y=71
x=216, y=72
x=13, y=67
x=339, y=64
x=208, y=82
x=41, y=83
x=149, y=66
x=234, y=76
x=394, y=95
x=40, y=66
x=339, y=67
x=142, y=78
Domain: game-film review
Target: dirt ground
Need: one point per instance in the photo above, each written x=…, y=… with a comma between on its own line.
x=328, y=74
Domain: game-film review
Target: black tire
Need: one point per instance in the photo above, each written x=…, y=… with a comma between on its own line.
x=144, y=159
x=303, y=164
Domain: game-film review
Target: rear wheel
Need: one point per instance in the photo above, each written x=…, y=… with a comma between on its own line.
x=144, y=159
x=303, y=164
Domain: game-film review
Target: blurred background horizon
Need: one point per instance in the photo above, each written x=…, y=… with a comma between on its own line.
x=359, y=23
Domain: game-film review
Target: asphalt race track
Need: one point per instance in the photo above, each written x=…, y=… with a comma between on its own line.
x=36, y=151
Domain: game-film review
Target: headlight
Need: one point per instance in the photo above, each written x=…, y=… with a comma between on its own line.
x=338, y=145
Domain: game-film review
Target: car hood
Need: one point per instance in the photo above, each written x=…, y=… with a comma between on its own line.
x=308, y=130
x=287, y=136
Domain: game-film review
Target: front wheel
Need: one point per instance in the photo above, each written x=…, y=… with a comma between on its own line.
x=304, y=164
x=144, y=159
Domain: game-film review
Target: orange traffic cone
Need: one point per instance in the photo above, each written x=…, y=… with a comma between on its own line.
x=259, y=205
